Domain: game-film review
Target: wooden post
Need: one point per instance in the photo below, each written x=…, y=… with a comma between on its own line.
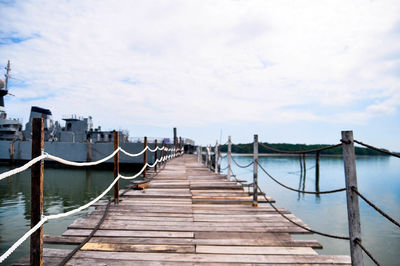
x=155, y=155
x=144, y=156
x=175, y=137
x=198, y=154
x=229, y=157
x=317, y=157
x=255, y=171
x=216, y=158
x=36, y=248
x=163, y=153
x=353, y=211
x=116, y=167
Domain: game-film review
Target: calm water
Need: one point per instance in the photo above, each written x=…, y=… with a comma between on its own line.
x=378, y=179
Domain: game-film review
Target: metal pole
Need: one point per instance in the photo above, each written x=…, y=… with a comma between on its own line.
x=144, y=156
x=36, y=248
x=229, y=157
x=255, y=171
x=353, y=211
x=116, y=167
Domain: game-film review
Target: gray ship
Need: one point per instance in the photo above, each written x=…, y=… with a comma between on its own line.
x=77, y=140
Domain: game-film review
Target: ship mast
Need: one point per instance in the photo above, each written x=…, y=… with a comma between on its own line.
x=7, y=75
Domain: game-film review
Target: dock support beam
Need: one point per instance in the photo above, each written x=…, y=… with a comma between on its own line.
x=36, y=248
x=353, y=211
x=255, y=171
x=229, y=157
x=116, y=167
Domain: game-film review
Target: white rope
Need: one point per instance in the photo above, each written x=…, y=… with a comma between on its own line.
x=134, y=154
x=136, y=175
x=22, y=168
x=22, y=239
x=52, y=217
x=63, y=161
x=155, y=149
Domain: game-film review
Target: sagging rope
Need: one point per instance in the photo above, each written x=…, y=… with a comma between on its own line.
x=72, y=253
x=61, y=215
x=358, y=242
x=299, y=225
x=241, y=166
x=377, y=149
x=375, y=207
x=22, y=168
x=301, y=191
x=46, y=155
x=300, y=152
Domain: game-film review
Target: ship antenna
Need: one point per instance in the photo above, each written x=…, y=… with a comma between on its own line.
x=7, y=75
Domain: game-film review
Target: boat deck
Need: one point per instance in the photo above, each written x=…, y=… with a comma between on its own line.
x=188, y=216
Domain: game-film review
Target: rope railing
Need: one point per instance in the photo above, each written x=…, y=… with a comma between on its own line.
x=358, y=242
x=349, y=158
x=242, y=166
x=375, y=207
x=175, y=153
x=22, y=168
x=300, y=152
x=301, y=191
x=377, y=149
x=299, y=225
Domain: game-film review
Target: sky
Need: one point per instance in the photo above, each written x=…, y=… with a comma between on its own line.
x=289, y=71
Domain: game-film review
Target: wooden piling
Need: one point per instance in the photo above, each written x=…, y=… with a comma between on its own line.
x=229, y=157
x=36, y=245
x=255, y=171
x=353, y=211
x=317, y=157
x=155, y=155
x=216, y=158
x=144, y=156
x=175, y=138
x=116, y=167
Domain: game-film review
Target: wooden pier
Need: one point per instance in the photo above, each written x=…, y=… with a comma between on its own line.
x=188, y=216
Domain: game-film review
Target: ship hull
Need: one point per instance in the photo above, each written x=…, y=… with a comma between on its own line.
x=20, y=151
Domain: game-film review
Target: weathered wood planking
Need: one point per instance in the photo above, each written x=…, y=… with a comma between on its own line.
x=189, y=216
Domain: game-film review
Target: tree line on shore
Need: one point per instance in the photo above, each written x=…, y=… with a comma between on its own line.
x=248, y=148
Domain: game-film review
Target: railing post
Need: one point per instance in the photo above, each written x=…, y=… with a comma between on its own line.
x=155, y=155
x=198, y=154
x=353, y=211
x=36, y=248
x=317, y=157
x=255, y=171
x=163, y=153
x=216, y=158
x=116, y=167
x=229, y=157
x=144, y=156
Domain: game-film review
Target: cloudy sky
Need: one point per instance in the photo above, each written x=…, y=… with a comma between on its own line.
x=290, y=71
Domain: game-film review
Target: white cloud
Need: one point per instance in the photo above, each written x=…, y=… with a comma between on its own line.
x=197, y=62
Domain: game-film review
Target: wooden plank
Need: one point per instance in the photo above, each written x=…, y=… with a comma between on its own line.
x=255, y=250
x=119, y=233
x=139, y=247
x=214, y=258
x=211, y=241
